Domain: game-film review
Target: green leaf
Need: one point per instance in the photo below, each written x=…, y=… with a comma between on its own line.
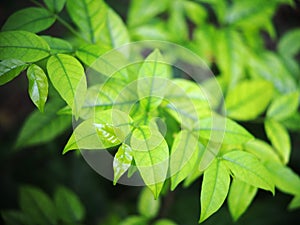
x=285, y=179
x=9, y=69
x=244, y=102
x=22, y=45
x=288, y=45
x=164, y=222
x=279, y=138
x=147, y=205
x=293, y=122
x=283, y=106
x=246, y=167
x=43, y=127
x=55, y=5
x=295, y=203
x=37, y=205
x=122, y=161
x=89, y=16
x=68, y=206
x=183, y=157
x=38, y=86
x=152, y=81
x=222, y=130
x=261, y=150
x=15, y=218
x=68, y=77
x=31, y=19
x=115, y=33
x=135, y=220
x=58, y=45
x=151, y=154
x=195, y=12
x=214, y=189
x=176, y=21
x=240, y=197
x=89, y=53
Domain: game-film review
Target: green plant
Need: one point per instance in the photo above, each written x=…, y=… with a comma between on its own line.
x=121, y=112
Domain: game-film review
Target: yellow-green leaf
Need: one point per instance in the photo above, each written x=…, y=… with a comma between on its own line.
x=147, y=205
x=9, y=69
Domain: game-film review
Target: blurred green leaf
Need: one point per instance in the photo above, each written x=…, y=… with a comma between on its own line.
x=37, y=205
x=122, y=161
x=195, y=12
x=68, y=206
x=135, y=220
x=147, y=205
x=289, y=45
x=293, y=122
x=295, y=203
x=91, y=20
x=68, y=77
x=58, y=45
x=22, y=45
x=246, y=167
x=164, y=222
x=244, y=102
x=279, y=138
x=55, y=5
x=240, y=197
x=15, y=218
x=41, y=128
x=38, y=86
x=214, y=189
x=151, y=154
x=33, y=19
x=10, y=68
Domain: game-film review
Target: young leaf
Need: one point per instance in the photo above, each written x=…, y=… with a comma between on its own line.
x=183, y=157
x=68, y=206
x=9, y=69
x=240, y=197
x=58, y=45
x=115, y=33
x=214, y=189
x=122, y=161
x=279, y=138
x=295, y=203
x=37, y=205
x=22, y=45
x=91, y=20
x=33, y=19
x=147, y=205
x=249, y=169
x=244, y=102
x=38, y=86
x=284, y=178
x=222, y=130
x=164, y=222
x=135, y=220
x=68, y=77
x=150, y=152
x=283, y=106
x=55, y=5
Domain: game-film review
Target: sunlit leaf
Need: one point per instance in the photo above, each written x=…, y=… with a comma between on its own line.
x=68, y=77
x=58, y=45
x=43, y=127
x=285, y=179
x=122, y=161
x=89, y=53
x=55, y=5
x=195, y=12
x=31, y=19
x=164, y=222
x=240, y=197
x=151, y=153
x=91, y=20
x=283, y=106
x=183, y=157
x=135, y=220
x=279, y=138
x=214, y=189
x=38, y=86
x=147, y=205
x=22, y=45
x=37, y=205
x=9, y=69
x=246, y=167
x=244, y=102
x=68, y=206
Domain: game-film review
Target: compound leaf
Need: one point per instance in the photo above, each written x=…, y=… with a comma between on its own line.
x=22, y=45
x=10, y=68
x=214, y=189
